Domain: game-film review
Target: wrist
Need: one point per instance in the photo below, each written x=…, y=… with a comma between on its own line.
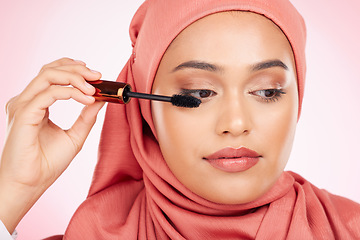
x=15, y=201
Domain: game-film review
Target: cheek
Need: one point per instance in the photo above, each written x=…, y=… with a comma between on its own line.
x=180, y=132
x=278, y=130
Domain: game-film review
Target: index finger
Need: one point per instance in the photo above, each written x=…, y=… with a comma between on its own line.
x=62, y=62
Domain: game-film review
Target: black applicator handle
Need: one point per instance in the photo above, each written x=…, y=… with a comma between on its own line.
x=147, y=96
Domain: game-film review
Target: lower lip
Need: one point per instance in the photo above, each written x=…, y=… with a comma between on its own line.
x=234, y=164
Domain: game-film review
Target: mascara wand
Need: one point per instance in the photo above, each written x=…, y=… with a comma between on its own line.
x=119, y=92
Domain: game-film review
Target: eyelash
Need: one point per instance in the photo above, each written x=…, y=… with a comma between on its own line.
x=198, y=92
x=276, y=94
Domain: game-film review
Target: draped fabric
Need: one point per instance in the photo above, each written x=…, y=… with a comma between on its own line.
x=134, y=195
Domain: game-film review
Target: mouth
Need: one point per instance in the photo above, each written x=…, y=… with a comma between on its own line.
x=233, y=159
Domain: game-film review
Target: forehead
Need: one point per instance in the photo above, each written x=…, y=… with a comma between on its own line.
x=237, y=36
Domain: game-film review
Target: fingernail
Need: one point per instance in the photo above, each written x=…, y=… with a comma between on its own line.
x=94, y=71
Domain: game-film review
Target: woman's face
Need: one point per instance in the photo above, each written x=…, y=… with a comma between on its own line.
x=234, y=147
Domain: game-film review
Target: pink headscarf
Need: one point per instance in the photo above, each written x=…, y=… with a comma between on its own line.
x=134, y=195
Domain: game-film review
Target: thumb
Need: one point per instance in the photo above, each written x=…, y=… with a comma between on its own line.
x=83, y=125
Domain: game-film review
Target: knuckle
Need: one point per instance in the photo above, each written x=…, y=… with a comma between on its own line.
x=11, y=106
x=77, y=77
x=44, y=67
x=64, y=60
x=46, y=72
x=50, y=75
x=18, y=116
x=53, y=89
x=56, y=91
x=51, y=93
x=69, y=74
x=77, y=69
x=73, y=78
x=60, y=61
x=78, y=146
x=75, y=140
x=74, y=92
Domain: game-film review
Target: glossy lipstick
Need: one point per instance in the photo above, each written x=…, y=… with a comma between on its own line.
x=233, y=159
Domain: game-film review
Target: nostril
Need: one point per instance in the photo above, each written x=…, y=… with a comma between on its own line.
x=229, y=132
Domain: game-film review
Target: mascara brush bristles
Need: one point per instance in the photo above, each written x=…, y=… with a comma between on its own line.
x=185, y=101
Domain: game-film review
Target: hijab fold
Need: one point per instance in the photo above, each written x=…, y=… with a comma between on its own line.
x=134, y=195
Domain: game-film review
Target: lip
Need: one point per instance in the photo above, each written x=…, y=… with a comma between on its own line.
x=233, y=159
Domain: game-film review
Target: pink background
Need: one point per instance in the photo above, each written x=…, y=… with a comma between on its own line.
x=326, y=149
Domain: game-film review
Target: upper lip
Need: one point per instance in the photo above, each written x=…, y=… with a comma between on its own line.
x=229, y=152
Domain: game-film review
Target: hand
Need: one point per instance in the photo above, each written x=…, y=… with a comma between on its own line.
x=36, y=151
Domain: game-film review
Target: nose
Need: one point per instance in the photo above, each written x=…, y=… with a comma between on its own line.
x=234, y=118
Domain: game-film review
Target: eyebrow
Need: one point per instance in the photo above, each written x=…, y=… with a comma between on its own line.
x=214, y=68
x=269, y=64
x=198, y=65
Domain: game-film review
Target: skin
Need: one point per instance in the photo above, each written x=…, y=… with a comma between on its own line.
x=236, y=111
x=45, y=149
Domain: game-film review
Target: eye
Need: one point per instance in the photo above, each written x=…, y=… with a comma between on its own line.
x=198, y=93
x=268, y=95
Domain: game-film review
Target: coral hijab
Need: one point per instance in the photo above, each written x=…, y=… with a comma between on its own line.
x=134, y=195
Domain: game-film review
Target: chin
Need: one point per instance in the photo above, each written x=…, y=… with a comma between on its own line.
x=232, y=192
x=237, y=197
x=239, y=190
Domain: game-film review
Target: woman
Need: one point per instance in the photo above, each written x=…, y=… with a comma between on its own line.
x=166, y=172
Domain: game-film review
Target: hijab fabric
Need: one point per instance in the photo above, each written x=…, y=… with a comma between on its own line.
x=134, y=195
